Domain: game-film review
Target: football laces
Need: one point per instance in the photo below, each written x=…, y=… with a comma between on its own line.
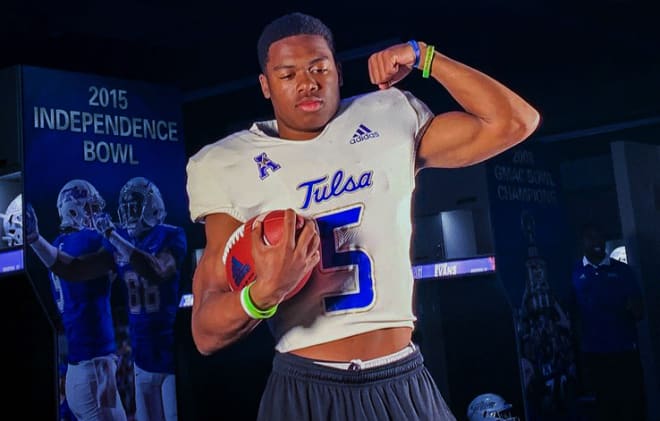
x=233, y=238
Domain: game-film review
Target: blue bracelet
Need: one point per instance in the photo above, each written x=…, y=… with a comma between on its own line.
x=415, y=47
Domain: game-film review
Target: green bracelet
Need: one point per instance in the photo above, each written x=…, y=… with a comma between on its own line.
x=251, y=309
x=428, y=59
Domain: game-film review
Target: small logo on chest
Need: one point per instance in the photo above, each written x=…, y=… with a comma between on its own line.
x=363, y=133
x=265, y=164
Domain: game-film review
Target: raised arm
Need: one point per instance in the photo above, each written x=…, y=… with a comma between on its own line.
x=68, y=267
x=83, y=268
x=159, y=267
x=494, y=118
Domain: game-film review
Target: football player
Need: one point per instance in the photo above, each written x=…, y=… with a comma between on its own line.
x=344, y=342
x=148, y=255
x=85, y=307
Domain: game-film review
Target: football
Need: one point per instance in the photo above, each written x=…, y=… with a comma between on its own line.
x=237, y=256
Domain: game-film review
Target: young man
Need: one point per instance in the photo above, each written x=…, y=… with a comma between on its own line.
x=91, y=388
x=348, y=166
x=609, y=305
x=148, y=255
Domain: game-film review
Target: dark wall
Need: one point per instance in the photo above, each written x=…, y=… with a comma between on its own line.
x=29, y=352
x=466, y=333
x=590, y=196
x=225, y=385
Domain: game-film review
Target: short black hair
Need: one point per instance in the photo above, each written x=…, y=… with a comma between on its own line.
x=290, y=25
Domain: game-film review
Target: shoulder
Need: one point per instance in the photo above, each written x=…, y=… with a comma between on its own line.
x=166, y=229
x=172, y=233
x=578, y=267
x=621, y=267
x=84, y=234
x=382, y=97
x=578, y=264
x=219, y=147
x=392, y=105
x=175, y=229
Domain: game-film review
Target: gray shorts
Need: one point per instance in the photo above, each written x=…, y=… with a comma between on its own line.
x=299, y=389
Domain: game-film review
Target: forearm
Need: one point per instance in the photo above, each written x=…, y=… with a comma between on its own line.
x=219, y=320
x=480, y=94
x=150, y=267
x=83, y=268
x=147, y=265
x=69, y=267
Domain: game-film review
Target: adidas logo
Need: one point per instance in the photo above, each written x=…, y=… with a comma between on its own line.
x=238, y=270
x=363, y=133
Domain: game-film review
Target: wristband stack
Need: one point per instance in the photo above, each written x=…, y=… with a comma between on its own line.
x=251, y=309
x=428, y=57
x=418, y=53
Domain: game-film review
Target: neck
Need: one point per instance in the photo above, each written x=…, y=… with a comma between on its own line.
x=595, y=260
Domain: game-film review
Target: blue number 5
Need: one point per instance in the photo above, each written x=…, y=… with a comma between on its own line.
x=335, y=255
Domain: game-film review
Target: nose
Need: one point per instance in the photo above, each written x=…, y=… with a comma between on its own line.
x=307, y=83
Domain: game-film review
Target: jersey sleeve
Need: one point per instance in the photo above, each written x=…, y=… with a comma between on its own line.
x=422, y=112
x=80, y=243
x=206, y=190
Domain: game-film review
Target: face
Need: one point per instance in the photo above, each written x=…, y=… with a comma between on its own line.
x=302, y=81
x=130, y=212
x=594, y=246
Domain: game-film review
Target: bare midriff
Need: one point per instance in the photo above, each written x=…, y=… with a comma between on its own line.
x=365, y=346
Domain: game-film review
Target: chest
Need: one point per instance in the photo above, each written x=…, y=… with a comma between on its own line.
x=327, y=173
x=598, y=285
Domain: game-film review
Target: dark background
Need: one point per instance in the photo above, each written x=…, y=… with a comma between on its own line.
x=591, y=68
x=584, y=64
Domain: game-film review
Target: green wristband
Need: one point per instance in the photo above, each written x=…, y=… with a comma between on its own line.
x=428, y=59
x=251, y=309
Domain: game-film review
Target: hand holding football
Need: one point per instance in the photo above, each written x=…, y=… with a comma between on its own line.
x=237, y=256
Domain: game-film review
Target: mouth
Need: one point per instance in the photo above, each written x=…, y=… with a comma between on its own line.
x=310, y=104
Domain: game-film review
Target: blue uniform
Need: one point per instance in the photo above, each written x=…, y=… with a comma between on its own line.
x=601, y=294
x=84, y=306
x=152, y=305
x=91, y=386
x=609, y=338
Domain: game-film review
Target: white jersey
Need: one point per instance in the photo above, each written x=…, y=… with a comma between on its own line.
x=356, y=179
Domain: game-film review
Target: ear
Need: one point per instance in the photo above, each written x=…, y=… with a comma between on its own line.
x=265, y=89
x=340, y=74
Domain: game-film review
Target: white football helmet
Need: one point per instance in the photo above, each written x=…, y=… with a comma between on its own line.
x=490, y=407
x=77, y=201
x=12, y=222
x=141, y=206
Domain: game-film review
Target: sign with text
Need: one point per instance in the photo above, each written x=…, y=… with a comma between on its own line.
x=532, y=263
x=96, y=146
x=455, y=268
